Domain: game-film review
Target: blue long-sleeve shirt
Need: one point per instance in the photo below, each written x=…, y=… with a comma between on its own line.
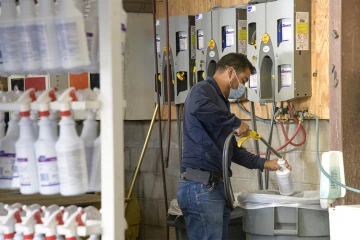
x=206, y=125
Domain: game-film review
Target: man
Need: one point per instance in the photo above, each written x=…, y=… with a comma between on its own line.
x=207, y=123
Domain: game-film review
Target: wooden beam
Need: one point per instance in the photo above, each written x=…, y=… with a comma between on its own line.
x=344, y=110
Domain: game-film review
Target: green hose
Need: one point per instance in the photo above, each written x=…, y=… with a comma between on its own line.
x=320, y=165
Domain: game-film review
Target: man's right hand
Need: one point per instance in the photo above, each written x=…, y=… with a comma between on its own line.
x=243, y=130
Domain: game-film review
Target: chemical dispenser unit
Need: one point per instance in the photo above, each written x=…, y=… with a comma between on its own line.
x=206, y=50
x=182, y=35
x=279, y=47
x=219, y=32
x=162, y=66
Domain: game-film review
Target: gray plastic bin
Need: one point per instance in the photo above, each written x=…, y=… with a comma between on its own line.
x=175, y=219
x=270, y=216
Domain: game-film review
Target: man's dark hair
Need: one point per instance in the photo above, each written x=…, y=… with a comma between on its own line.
x=236, y=60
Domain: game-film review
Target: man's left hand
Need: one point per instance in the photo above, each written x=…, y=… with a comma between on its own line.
x=272, y=165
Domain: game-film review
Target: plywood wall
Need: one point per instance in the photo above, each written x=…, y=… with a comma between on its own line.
x=318, y=104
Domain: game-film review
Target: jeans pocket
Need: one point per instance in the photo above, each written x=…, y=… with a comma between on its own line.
x=183, y=196
x=205, y=189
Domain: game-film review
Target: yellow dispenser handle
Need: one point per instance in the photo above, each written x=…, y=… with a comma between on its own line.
x=252, y=134
x=180, y=76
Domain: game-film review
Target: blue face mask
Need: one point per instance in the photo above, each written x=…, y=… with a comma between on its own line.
x=237, y=93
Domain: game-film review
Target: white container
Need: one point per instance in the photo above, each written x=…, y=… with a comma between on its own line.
x=333, y=164
x=47, y=164
x=9, y=37
x=25, y=151
x=28, y=39
x=89, y=135
x=95, y=175
x=70, y=151
x=70, y=30
x=92, y=34
x=284, y=179
x=9, y=177
x=46, y=31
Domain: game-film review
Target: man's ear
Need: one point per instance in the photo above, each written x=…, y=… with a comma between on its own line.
x=230, y=72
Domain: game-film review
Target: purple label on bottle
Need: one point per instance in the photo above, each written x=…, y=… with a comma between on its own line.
x=4, y=154
x=22, y=159
x=89, y=34
x=44, y=159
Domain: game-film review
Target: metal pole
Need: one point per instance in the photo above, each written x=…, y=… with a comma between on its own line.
x=270, y=140
x=143, y=152
x=256, y=143
x=178, y=116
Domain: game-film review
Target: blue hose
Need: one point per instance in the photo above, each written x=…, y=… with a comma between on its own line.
x=257, y=118
x=320, y=165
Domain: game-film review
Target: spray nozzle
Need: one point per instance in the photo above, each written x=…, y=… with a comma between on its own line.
x=44, y=99
x=65, y=98
x=24, y=100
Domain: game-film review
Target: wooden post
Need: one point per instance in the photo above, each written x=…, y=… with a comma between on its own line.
x=345, y=88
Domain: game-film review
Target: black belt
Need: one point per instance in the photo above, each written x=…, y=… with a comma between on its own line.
x=204, y=177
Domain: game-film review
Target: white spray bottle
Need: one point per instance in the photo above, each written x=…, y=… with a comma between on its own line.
x=45, y=147
x=92, y=34
x=9, y=37
x=284, y=179
x=28, y=39
x=49, y=49
x=9, y=177
x=89, y=135
x=25, y=151
x=70, y=151
x=70, y=30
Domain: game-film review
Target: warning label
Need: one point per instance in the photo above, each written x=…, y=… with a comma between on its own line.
x=242, y=36
x=302, y=31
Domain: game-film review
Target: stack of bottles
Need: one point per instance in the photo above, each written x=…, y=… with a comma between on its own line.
x=34, y=222
x=48, y=38
x=34, y=159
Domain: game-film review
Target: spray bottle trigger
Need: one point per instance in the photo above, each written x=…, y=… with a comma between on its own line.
x=73, y=95
x=52, y=95
x=32, y=95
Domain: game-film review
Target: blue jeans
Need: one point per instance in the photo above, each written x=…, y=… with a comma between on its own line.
x=204, y=209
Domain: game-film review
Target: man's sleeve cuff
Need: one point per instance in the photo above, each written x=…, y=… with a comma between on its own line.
x=237, y=123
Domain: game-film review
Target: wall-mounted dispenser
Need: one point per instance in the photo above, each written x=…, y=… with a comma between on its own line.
x=219, y=32
x=279, y=46
x=182, y=54
x=184, y=59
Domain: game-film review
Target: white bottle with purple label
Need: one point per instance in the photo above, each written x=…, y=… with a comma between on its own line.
x=25, y=152
x=9, y=37
x=70, y=29
x=45, y=148
x=9, y=177
x=92, y=34
x=28, y=38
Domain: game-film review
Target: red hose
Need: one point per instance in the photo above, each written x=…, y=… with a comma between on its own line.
x=288, y=141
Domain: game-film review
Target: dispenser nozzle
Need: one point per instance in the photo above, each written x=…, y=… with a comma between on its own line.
x=65, y=98
x=25, y=99
x=45, y=98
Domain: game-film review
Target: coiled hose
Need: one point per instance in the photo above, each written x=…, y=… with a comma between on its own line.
x=226, y=176
x=229, y=194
